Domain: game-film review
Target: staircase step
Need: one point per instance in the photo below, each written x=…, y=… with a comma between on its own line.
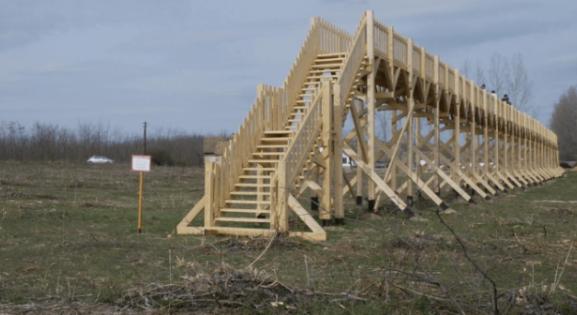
x=330, y=59
x=325, y=55
x=323, y=71
x=275, y=139
x=263, y=161
x=240, y=219
x=261, y=232
x=254, y=169
x=248, y=202
x=250, y=193
x=313, y=77
x=328, y=66
x=248, y=185
x=254, y=177
x=238, y=210
x=271, y=146
x=305, y=94
x=244, y=210
x=267, y=153
x=276, y=132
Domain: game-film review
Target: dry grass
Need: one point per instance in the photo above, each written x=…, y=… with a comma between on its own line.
x=68, y=241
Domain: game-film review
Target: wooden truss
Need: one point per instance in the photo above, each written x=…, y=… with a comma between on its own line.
x=442, y=133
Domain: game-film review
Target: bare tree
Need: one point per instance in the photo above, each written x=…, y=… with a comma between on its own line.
x=480, y=75
x=49, y=142
x=519, y=86
x=563, y=121
x=504, y=75
x=509, y=76
x=498, y=73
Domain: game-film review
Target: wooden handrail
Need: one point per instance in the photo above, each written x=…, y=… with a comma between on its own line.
x=273, y=105
x=262, y=116
x=302, y=140
x=353, y=61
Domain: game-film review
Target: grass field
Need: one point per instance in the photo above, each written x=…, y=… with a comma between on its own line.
x=67, y=237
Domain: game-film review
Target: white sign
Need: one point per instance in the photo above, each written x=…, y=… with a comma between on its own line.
x=141, y=163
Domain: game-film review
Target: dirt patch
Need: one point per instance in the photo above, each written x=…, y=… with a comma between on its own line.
x=255, y=244
x=223, y=290
x=419, y=241
x=90, y=205
x=15, y=182
x=46, y=197
x=561, y=212
x=58, y=308
x=558, y=201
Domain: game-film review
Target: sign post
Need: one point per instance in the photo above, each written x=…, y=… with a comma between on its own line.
x=140, y=164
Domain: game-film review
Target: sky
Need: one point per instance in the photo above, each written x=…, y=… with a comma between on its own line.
x=193, y=66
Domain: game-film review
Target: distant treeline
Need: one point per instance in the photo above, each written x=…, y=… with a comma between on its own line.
x=48, y=142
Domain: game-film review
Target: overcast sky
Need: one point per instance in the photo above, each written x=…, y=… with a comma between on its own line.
x=194, y=65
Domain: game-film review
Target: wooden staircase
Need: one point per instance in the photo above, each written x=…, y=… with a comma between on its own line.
x=249, y=204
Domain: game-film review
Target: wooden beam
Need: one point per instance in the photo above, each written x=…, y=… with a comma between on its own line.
x=317, y=232
x=375, y=178
x=183, y=227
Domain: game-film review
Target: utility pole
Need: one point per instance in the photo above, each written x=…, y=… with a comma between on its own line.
x=144, y=138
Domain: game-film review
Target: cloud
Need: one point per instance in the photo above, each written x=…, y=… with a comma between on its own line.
x=194, y=65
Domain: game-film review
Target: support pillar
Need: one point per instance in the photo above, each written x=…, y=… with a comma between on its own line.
x=371, y=113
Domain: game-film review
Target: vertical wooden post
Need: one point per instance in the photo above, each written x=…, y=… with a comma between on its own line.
x=410, y=125
x=371, y=102
x=360, y=174
x=436, y=126
x=337, y=154
x=325, y=211
x=530, y=145
x=410, y=153
x=473, y=126
x=260, y=187
x=417, y=160
x=394, y=115
x=392, y=164
x=457, y=129
x=506, y=140
x=497, y=142
x=485, y=134
x=281, y=201
x=524, y=135
x=209, y=189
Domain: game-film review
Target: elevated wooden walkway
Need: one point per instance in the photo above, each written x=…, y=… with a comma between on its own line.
x=443, y=133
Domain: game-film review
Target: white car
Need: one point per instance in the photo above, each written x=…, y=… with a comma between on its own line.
x=98, y=159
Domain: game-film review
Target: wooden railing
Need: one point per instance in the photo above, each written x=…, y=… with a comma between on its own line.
x=332, y=39
x=449, y=79
x=302, y=140
x=416, y=60
x=273, y=105
x=429, y=67
x=322, y=37
x=442, y=75
x=381, y=39
x=264, y=114
x=353, y=61
x=400, y=49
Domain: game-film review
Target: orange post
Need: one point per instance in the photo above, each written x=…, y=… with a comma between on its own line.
x=140, y=189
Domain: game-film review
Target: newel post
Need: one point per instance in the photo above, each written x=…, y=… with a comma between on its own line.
x=211, y=162
x=281, y=200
